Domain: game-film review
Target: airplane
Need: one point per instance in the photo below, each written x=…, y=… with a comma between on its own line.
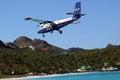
x=50, y=26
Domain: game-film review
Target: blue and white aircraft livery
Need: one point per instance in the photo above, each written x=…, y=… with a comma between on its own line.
x=50, y=26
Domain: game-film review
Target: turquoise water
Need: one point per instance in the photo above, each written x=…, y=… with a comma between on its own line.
x=115, y=75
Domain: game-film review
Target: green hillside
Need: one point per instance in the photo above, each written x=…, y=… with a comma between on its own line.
x=21, y=61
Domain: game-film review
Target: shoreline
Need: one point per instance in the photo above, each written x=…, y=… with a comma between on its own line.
x=45, y=76
x=53, y=75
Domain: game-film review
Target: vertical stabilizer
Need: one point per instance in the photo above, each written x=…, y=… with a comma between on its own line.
x=77, y=10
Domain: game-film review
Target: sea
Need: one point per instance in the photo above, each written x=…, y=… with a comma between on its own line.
x=112, y=75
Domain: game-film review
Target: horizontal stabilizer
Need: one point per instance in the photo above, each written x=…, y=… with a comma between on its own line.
x=69, y=13
x=82, y=14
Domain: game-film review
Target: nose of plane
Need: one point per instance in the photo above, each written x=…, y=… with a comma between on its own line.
x=40, y=31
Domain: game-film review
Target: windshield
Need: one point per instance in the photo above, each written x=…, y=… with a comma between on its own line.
x=47, y=25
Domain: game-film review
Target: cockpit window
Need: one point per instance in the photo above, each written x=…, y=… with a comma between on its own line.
x=47, y=25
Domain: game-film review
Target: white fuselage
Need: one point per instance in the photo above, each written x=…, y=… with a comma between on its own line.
x=62, y=21
x=57, y=22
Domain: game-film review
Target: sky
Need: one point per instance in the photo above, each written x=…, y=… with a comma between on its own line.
x=100, y=26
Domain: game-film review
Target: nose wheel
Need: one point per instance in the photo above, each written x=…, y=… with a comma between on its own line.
x=43, y=35
x=51, y=31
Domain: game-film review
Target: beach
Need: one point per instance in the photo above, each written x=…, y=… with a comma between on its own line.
x=106, y=75
x=53, y=75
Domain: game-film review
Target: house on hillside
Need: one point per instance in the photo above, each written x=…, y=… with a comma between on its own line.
x=84, y=68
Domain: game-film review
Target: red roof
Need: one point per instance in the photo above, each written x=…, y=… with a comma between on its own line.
x=44, y=49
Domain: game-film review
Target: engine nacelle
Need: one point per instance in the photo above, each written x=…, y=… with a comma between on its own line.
x=48, y=25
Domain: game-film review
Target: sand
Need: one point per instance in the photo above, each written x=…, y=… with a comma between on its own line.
x=53, y=75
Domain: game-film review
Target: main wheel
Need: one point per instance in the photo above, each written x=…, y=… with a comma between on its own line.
x=43, y=35
x=60, y=32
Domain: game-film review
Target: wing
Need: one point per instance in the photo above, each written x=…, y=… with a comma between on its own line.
x=35, y=20
x=38, y=20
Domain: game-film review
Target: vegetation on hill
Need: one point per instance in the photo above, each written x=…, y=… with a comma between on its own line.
x=24, y=42
x=20, y=61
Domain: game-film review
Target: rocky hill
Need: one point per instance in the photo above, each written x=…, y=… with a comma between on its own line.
x=25, y=42
x=11, y=45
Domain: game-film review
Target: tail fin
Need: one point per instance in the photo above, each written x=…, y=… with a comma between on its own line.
x=77, y=11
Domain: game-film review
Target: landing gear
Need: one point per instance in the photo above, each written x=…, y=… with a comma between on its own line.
x=60, y=32
x=43, y=35
x=51, y=31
